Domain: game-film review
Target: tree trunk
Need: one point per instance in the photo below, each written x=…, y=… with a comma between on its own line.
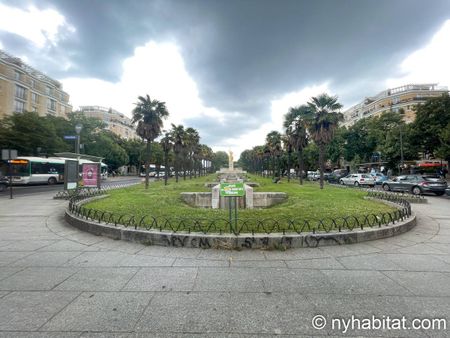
x=147, y=163
x=321, y=163
x=300, y=165
x=177, y=167
x=289, y=166
x=166, y=167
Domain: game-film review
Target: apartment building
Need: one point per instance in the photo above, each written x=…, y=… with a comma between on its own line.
x=116, y=122
x=404, y=97
x=23, y=88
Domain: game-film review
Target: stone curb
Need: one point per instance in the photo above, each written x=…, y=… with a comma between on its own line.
x=242, y=241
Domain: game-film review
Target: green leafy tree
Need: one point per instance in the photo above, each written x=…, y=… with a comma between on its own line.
x=149, y=115
x=220, y=160
x=177, y=135
x=432, y=118
x=30, y=134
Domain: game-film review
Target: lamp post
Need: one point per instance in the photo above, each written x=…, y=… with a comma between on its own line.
x=78, y=128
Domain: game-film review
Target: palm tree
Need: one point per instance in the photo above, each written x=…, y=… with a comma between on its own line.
x=323, y=123
x=192, y=139
x=149, y=115
x=273, y=141
x=178, y=135
x=296, y=125
x=166, y=145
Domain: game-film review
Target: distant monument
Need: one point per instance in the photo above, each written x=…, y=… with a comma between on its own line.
x=230, y=160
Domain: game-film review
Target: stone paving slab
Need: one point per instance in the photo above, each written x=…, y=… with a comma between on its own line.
x=187, y=312
x=36, y=279
x=28, y=311
x=422, y=283
x=316, y=263
x=26, y=245
x=8, y=271
x=97, y=259
x=101, y=311
x=98, y=279
x=146, y=261
x=370, y=262
x=273, y=314
x=7, y=258
x=363, y=282
x=410, y=262
x=45, y=259
x=162, y=279
x=226, y=279
x=191, y=262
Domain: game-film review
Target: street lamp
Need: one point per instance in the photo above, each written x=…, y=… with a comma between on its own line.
x=78, y=128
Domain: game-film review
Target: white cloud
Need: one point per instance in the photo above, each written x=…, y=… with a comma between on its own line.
x=39, y=26
x=280, y=106
x=429, y=64
x=156, y=69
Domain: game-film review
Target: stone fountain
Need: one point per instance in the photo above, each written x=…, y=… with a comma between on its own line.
x=232, y=175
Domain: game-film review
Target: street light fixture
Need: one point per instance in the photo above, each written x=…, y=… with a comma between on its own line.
x=78, y=128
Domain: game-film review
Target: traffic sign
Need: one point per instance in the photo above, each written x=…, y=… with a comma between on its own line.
x=232, y=189
x=70, y=137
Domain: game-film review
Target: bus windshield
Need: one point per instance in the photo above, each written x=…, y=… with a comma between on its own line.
x=20, y=167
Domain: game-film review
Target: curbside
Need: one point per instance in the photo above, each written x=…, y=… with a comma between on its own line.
x=241, y=241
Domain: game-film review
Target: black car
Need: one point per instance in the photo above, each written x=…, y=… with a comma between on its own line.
x=336, y=175
x=3, y=183
x=416, y=184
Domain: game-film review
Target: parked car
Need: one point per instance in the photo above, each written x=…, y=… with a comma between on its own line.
x=336, y=175
x=313, y=175
x=416, y=184
x=357, y=180
x=447, y=191
x=379, y=178
x=3, y=183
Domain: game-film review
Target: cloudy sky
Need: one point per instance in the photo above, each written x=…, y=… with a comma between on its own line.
x=229, y=68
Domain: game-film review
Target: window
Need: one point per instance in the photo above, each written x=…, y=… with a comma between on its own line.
x=21, y=92
x=17, y=75
x=34, y=98
x=33, y=83
x=48, y=90
x=51, y=104
x=19, y=106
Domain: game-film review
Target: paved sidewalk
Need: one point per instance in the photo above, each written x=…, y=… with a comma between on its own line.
x=56, y=281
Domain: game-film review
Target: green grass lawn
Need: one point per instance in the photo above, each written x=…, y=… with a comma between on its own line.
x=305, y=203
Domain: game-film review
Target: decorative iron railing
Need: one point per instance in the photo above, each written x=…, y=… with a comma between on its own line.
x=243, y=225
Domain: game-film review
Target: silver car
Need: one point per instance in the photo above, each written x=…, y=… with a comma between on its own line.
x=357, y=180
x=416, y=184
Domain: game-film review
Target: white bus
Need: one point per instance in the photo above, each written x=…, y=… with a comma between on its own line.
x=34, y=170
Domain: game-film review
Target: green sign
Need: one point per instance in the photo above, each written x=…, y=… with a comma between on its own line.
x=232, y=189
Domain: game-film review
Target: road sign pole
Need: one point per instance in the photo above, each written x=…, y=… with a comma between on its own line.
x=230, y=214
x=235, y=212
x=10, y=181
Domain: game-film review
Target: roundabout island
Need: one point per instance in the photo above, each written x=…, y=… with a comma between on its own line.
x=305, y=217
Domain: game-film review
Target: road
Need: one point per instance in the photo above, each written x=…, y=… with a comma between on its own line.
x=19, y=191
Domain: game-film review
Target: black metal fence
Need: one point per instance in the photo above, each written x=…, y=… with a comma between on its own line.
x=243, y=225
x=83, y=193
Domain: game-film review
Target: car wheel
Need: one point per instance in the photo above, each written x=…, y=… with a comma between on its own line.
x=341, y=182
x=2, y=187
x=52, y=180
x=439, y=193
x=386, y=187
x=416, y=191
x=356, y=184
